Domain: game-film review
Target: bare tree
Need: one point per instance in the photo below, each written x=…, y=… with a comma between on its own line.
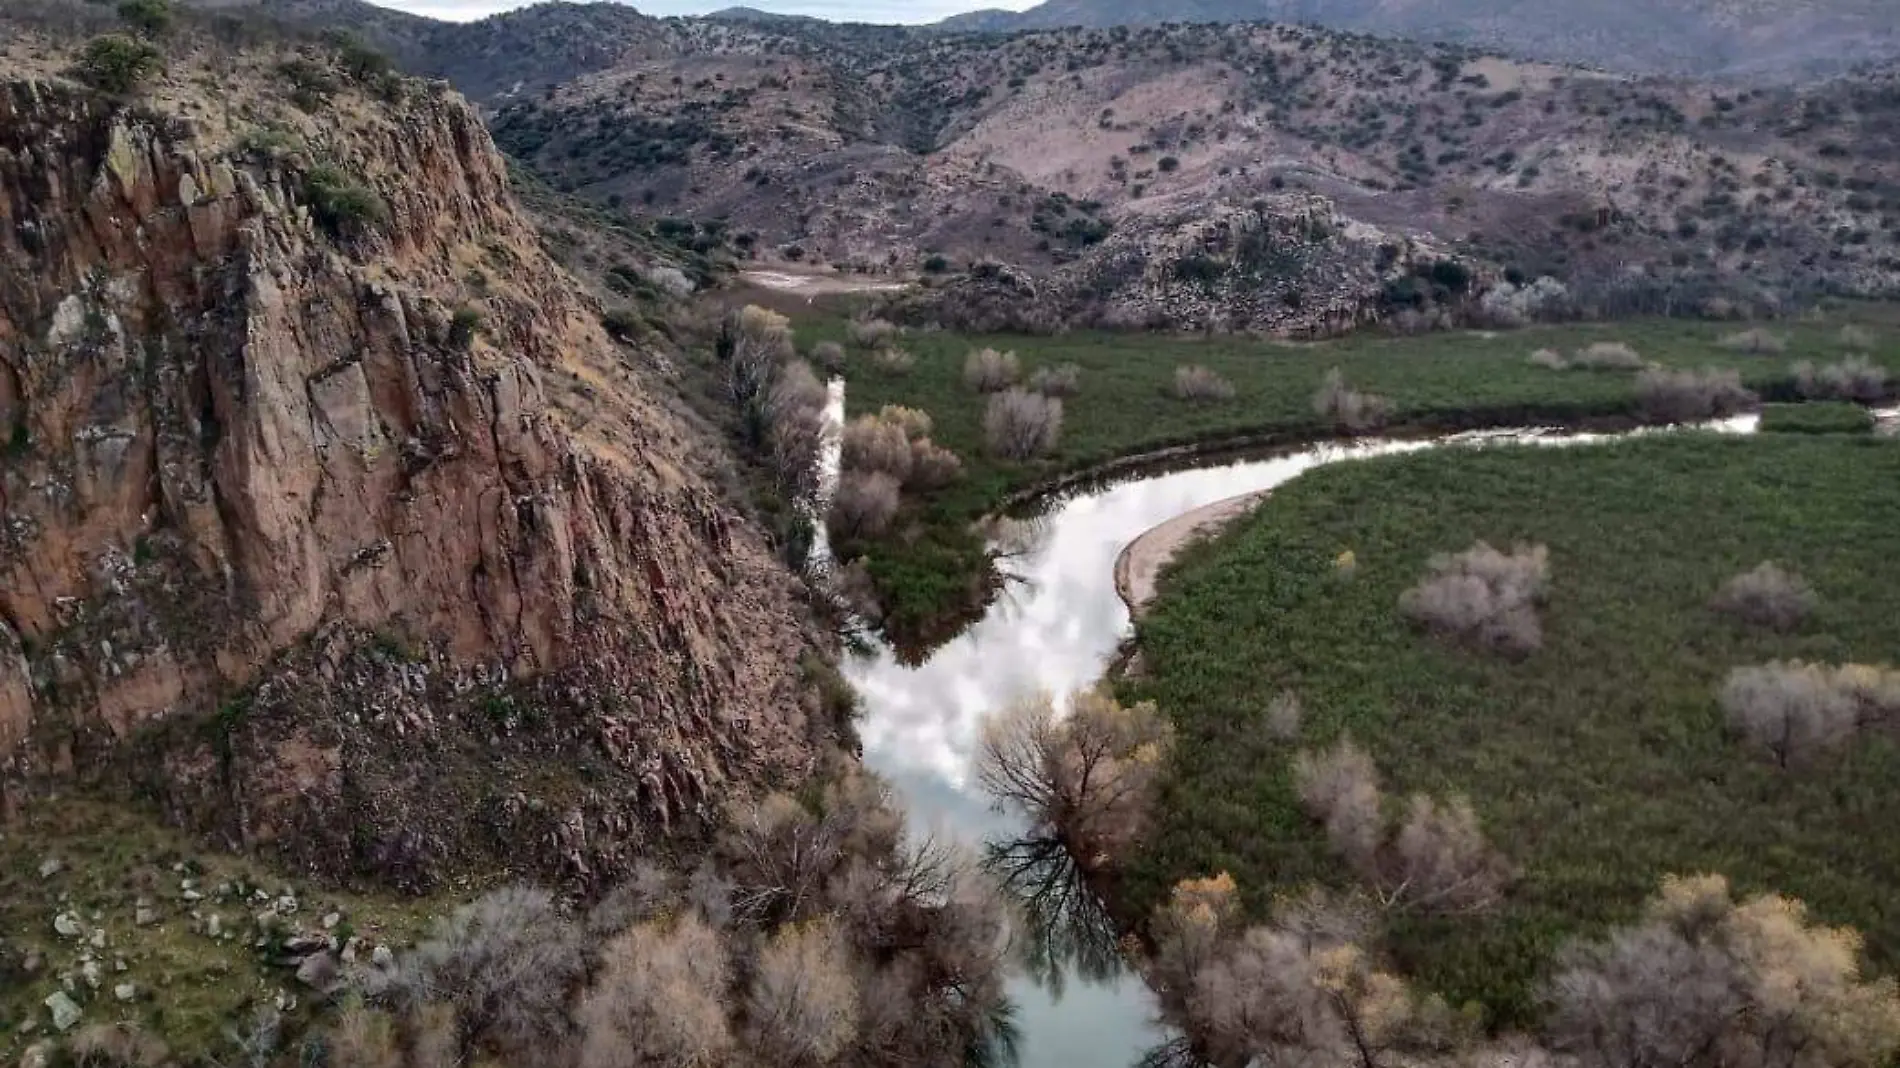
x=1795, y=710
x=1339, y=788
x=1484, y=595
x=1019, y=426
x=794, y=417
x=661, y=999
x=504, y=965
x=1705, y=983
x=1768, y=596
x=863, y=505
x=1089, y=777
x=803, y=1004
x=990, y=371
x=754, y=341
x=1440, y=861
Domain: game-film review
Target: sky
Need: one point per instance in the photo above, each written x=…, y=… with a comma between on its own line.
x=882, y=11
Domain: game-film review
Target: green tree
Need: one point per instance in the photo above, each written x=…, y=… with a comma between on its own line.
x=116, y=64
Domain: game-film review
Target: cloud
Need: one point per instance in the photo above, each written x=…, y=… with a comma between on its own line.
x=880, y=11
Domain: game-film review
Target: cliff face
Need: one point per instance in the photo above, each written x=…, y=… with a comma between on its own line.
x=342, y=532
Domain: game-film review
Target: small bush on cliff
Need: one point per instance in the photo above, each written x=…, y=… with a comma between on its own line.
x=464, y=327
x=149, y=17
x=342, y=205
x=117, y=65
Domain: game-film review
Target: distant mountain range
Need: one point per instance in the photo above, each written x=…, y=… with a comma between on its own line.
x=1742, y=38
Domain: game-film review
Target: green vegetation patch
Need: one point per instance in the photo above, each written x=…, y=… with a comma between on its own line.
x=1124, y=403
x=1819, y=418
x=1598, y=763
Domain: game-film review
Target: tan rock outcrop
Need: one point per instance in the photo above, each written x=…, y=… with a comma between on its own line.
x=291, y=545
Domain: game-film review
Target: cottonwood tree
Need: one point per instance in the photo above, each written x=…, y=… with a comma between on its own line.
x=661, y=998
x=1089, y=776
x=802, y=1008
x=1704, y=982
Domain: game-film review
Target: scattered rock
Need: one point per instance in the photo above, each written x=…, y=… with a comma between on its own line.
x=125, y=991
x=318, y=971
x=98, y=938
x=50, y=867
x=37, y=1055
x=66, y=1012
x=67, y=925
x=145, y=917
x=381, y=957
x=89, y=971
x=214, y=925
x=331, y=919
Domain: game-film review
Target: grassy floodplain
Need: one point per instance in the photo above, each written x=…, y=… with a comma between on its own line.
x=1597, y=764
x=1125, y=406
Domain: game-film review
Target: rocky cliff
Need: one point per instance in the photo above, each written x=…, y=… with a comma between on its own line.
x=330, y=521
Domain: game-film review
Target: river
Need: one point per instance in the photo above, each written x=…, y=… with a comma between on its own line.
x=1055, y=628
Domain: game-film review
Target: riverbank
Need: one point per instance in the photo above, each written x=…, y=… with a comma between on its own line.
x=1124, y=419
x=1141, y=563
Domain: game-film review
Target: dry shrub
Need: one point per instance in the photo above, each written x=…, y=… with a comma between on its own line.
x=127, y=1045
x=1768, y=596
x=914, y=422
x=990, y=371
x=1549, y=360
x=871, y=333
x=1196, y=383
x=863, y=504
x=364, y=1038
x=1855, y=378
x=1063, y=380
x=1756, y=340
x=932, y=466
x=1666, y=396
x=1347, y=408
x=1856, y=337
x=1436, y=860
x=1607, y=356
x=1703, y=982
x=1020, y=426
x=1089, y=776
x=502, y=965
x=1485, y=596
x=1798, y=711
x=871, y=445
x=754, y=342
x=793, y=414
x=893, y=361
x=1299, y=990
x=828, y=355
x=660, y=999
x=803, y=1005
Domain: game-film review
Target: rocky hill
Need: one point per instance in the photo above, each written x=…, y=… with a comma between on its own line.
x=1116, y=175
x=1736, y=38
x=330, y=520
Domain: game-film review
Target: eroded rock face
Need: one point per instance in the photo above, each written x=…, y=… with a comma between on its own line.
x=285, y=546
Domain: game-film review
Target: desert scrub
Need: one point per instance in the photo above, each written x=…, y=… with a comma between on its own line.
x=1817, y=418
x=118, y=65
x=1613, y=730
x=343, y=205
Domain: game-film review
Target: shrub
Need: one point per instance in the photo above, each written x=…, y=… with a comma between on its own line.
x=1794, y=710
x=342, y=205
x=1856, y=337
x=149, y=17
x=1484, y=595
x=1756, y=340
x=127, y=1045
x=990, y=371
x=1768, y=596
x=872, y=445
x=660, y=998
x=502, y=966
x=1339, y=789
x=464, y=327
x=803, y=1005
x=1283, y=716
x=1020, y=426
x=1666, y=396
x=1817, y=417
x=863, y=504
x=1704, y=982
x=1193, y=383
x=754, y=341
x=1063, y=380
x=1440, y=861
x=1089, y=776
x=893, y=361
x=1346, y=408
x=933, y=466
x=1855, y=378
x=1549, y=360
x=1608, y=356
x=117, y=65
x=794, y=415
x=871, y=333
x=828, y=355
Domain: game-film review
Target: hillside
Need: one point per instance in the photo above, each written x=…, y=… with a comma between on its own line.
x=1733, y=38
x=1269, y=177
x=332, y=526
